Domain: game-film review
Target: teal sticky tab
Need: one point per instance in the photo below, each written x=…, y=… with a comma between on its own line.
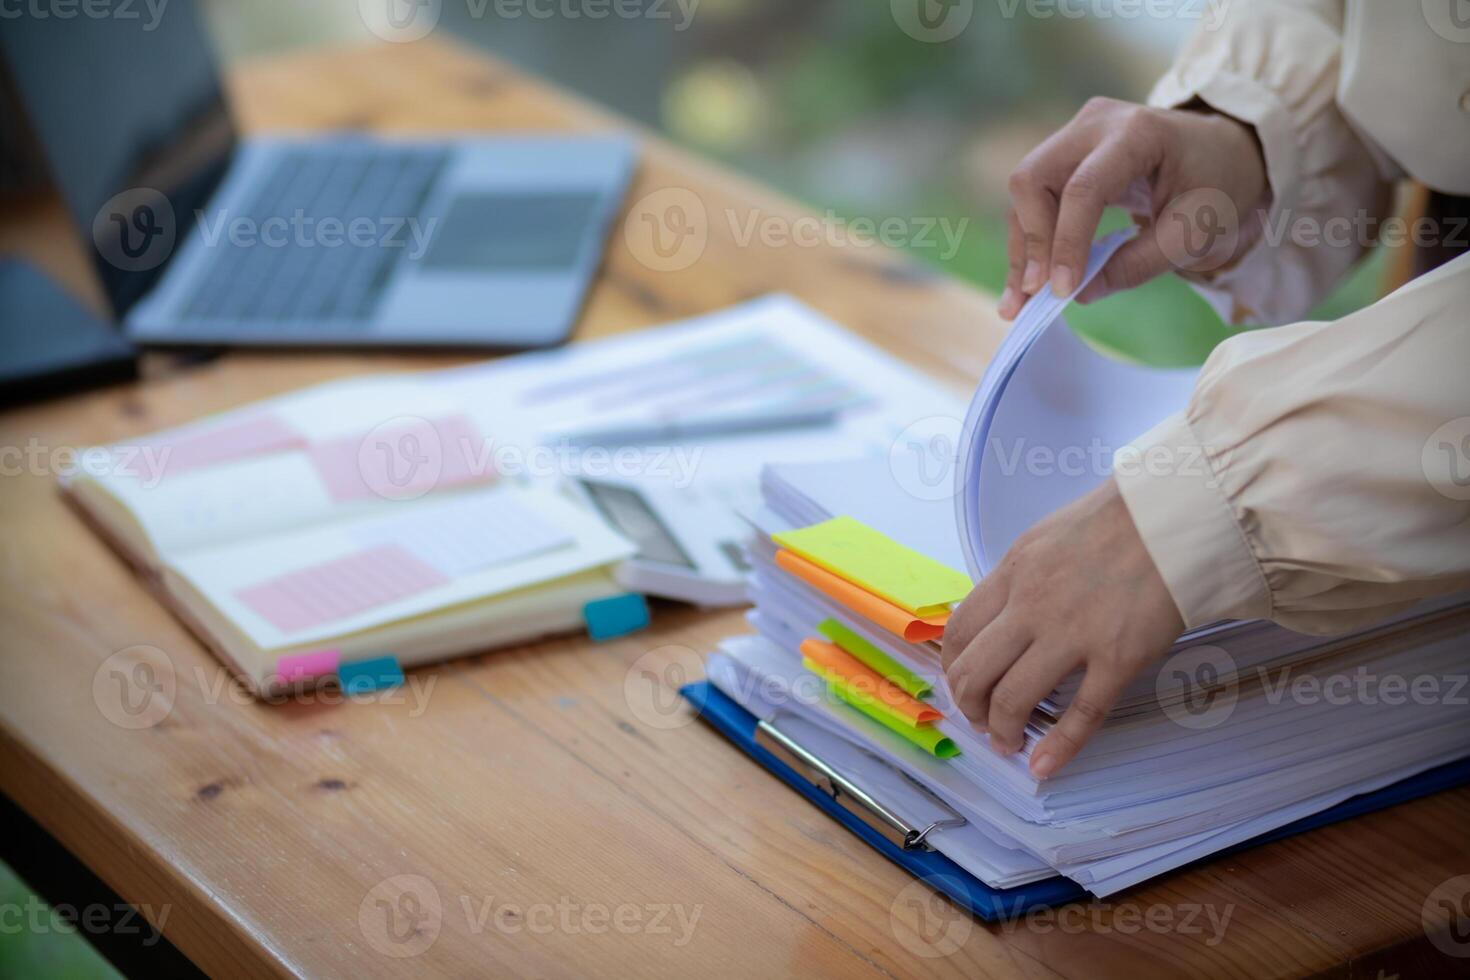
x=373, y=674
x=615, y=616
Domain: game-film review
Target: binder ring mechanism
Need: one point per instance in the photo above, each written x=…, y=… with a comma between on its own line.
x=852, y=797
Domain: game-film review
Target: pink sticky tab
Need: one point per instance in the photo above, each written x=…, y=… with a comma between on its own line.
x=342, y=587
x=197, y=447
x=403, y=459
x=299, y=666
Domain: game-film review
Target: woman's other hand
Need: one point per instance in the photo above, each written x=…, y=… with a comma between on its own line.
x=1197, y=179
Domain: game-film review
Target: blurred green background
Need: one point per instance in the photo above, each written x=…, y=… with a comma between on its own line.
x=836, y=104
x=52, y=951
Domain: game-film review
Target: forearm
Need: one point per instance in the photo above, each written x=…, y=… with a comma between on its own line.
x=1274, y=65
x=1320, y=476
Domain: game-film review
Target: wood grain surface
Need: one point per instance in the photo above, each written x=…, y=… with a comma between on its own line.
x=550, y=810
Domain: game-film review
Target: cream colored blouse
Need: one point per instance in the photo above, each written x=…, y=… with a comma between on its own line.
x=1335, y=485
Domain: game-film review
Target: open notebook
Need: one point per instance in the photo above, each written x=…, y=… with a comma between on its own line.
x=296, y=526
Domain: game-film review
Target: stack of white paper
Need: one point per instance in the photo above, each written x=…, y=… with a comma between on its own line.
x=1242, y=728
x=1219, y=744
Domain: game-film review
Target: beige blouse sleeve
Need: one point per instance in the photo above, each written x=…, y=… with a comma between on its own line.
x=1275, y=64
x=1320, y=476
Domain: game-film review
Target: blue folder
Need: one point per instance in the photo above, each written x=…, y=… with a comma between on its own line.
x=994, y=904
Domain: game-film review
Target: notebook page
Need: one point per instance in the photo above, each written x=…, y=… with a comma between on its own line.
x=330, y=453
x=398, y=564
x=464, y=534
x=306, y=484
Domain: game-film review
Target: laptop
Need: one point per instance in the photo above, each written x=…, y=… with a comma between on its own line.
x=202, y=237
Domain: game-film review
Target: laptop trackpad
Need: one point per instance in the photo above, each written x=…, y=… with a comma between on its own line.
x=485, y=231
x=499, y=266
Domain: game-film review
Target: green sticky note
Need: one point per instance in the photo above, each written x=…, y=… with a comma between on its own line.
x=881, y=663
x=848, y=548
x=926, y=737
x=855, y=695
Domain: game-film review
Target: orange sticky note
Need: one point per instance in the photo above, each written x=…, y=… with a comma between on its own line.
x=865, y=682
x=877, y=611
x=926, y=737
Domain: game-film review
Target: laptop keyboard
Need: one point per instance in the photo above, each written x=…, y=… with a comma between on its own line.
x=319, y=241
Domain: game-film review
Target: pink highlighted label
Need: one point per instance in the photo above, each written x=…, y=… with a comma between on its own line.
x=343, y=587
x=299, y=666
x=197, y=448
x=403, y=459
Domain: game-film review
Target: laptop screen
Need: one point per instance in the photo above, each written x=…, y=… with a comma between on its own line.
x=126, y=103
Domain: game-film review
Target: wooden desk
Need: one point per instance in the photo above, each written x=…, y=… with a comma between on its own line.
x=531, y=784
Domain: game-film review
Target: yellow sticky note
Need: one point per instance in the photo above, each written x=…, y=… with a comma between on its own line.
x=875, y=562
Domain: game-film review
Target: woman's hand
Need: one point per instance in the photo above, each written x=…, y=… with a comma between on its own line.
x=1195, y=178
x=1077, y=590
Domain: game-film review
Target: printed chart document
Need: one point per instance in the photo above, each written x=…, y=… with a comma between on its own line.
x=665, y=431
